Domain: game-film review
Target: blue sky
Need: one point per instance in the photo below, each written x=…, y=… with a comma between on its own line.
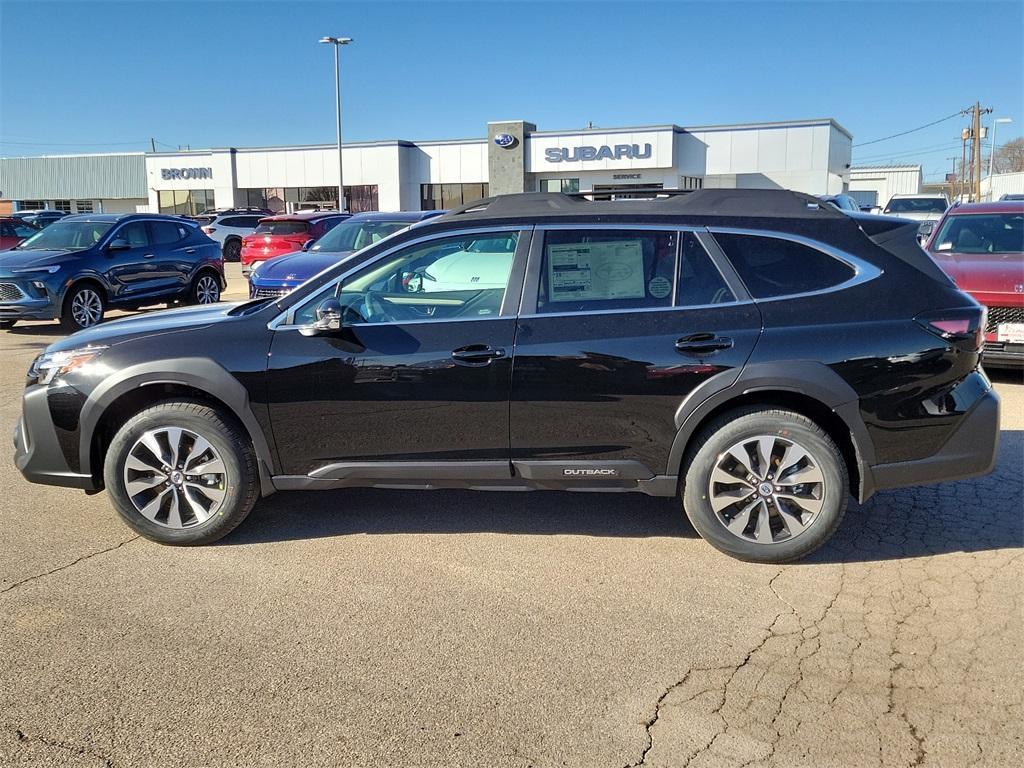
x=106, y=76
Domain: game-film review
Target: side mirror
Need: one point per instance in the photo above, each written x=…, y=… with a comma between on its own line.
x=328, y=319
x=307, y=245
x=118, y=244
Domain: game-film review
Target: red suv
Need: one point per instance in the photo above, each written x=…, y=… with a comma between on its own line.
x=13, y=231
x=981, y=246
x=286, y=233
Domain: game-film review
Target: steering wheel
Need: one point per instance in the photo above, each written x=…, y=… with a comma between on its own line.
x=372, y=308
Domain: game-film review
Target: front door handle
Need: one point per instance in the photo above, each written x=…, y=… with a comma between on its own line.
x=147, y=255
x=190, y=250
x=703, y=344
x=477, y=354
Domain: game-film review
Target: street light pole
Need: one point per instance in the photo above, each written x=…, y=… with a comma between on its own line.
x=337, y=42
x=992, y=152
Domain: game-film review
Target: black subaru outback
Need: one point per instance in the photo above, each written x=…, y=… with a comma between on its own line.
x=755, y=353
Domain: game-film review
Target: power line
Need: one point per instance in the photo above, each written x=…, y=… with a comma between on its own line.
x=912, y=130
x=72, y=144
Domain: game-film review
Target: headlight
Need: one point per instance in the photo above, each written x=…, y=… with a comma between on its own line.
x=50, y=365
x=49, y=270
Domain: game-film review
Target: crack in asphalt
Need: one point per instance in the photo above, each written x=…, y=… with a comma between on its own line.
x=64, y=567
x=55, y=744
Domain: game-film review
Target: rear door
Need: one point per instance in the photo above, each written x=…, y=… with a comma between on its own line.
x=175, y=254
x=618, y=326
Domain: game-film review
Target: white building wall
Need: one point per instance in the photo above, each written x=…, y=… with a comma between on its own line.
x=886, y=181
x=440, y=162
x=995, y=186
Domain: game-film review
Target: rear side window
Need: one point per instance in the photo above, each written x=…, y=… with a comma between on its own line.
x=591, y=270
x=163, y=232
x=772, y=266
x=283, y=228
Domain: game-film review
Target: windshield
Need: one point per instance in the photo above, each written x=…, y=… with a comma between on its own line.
x=282, y=228
x=355, y=235
x=67, y=236
x=981, y=233
x=916, y=205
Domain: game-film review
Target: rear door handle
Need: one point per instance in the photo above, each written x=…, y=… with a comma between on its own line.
x=477, y=354
x=703, y=343
x=190, y=250
x=147, y=255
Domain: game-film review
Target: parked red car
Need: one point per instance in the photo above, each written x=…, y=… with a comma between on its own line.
x=13, y=231
x=286, y=233
x=981, y=246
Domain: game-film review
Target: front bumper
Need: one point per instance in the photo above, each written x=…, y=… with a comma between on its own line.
x=969, y=452
x=28, y=304
x=41, y=451
x=998, y=353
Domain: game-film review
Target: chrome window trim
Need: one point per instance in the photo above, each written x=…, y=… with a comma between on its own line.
x=863, y=271
x=635, y=310
x=278, y=323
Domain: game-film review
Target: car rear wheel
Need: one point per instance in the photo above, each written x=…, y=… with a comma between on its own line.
x=83, y=308
x=765, y=485
x=233, y=250
x=205, y=289
x=182, y=473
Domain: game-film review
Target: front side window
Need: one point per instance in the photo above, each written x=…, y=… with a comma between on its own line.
x=981, y=233
x=589, y=270
x=67, y=236
x=773, y=266
x=451, y=278
x=135, y=233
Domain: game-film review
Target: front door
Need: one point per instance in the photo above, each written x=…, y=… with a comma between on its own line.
x=418, y=375
x=618, y=327
x=130, y=271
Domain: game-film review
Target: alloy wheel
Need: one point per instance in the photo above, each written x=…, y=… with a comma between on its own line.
x=175, y=477
x=207, y=290
x=766, y=489
x=86, y=308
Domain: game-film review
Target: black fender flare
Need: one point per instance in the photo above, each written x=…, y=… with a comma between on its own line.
x=804, y=377
x=93, y=277
x=196, y=372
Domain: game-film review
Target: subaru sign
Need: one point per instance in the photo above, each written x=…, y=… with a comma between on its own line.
x=604, y=152
x=505, y=140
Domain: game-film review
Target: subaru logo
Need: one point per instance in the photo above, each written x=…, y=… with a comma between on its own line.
x=505, y=140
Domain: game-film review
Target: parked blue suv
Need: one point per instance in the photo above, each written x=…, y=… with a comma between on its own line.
x=276, y=277
x=78, y=267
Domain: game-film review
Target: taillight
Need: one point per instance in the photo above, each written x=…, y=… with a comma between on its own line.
x=964, y=325
x=209, y=230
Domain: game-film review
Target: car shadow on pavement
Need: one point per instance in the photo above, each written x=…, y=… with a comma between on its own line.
x=964, y=516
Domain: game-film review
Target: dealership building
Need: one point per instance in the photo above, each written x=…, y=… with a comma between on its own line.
x=807, y=155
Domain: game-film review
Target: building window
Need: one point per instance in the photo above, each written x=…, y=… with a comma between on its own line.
x=435, y=197
x=64, y=206
x=82, y=206
x=185, y=202
x=360, y=198
x=565, y=186
x=31, y=205
x=691, y=182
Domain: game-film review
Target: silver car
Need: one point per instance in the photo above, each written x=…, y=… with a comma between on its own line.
x=228, y=229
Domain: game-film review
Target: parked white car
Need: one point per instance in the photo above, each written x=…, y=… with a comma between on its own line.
x=228, y=228
x=927, y=209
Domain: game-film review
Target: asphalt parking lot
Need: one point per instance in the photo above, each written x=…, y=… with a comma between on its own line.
x=454, y=628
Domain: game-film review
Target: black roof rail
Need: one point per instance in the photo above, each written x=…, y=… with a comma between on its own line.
x=769, y=203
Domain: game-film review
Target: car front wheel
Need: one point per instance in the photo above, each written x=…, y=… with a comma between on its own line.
x=83, y=308
x=765, y=485
x=182, y=473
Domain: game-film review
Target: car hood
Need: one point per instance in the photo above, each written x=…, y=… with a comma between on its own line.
x=918, y=216
x=299, y=266
x=152, y=324
x=21, y=259
x=993, y=278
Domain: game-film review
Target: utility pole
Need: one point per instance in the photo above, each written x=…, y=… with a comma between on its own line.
x=964, y=135
x=152, y=144
x=977, y=111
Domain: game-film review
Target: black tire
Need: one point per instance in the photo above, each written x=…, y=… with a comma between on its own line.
x=777, y=544
x=205, y=285
x=232, y=250
x=83, y=294
x=6, y=325
x=240, y=485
